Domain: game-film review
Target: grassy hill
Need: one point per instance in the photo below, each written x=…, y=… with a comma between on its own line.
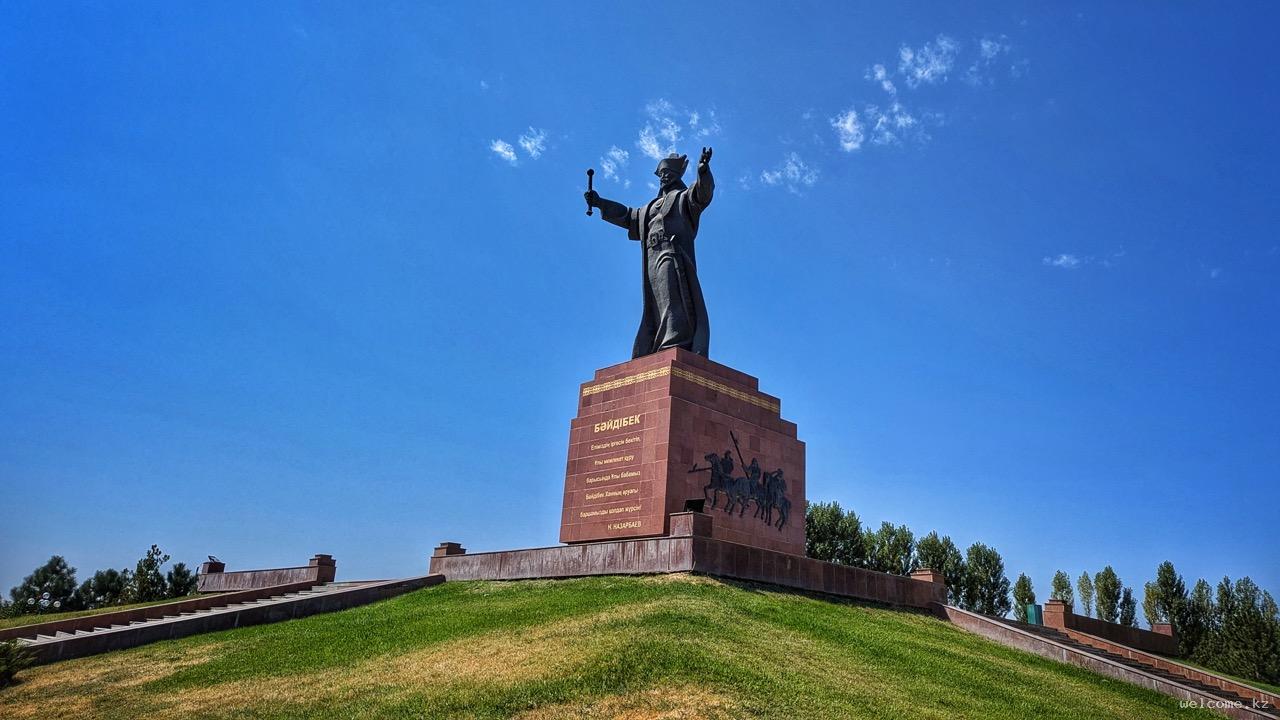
x=651, y=647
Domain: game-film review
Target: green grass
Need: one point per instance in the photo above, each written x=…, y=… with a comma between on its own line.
x=671, y=646
x=19, y=620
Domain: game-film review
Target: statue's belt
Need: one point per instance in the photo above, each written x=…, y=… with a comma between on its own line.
x=658, y=239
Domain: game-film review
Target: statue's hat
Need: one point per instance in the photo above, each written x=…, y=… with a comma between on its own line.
x=678, y=163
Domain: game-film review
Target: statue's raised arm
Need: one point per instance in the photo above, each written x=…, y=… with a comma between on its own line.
x=610, y=210
x=666, y=226
x=704, y=185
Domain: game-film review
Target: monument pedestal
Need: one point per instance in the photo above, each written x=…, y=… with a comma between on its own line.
x=660, y=431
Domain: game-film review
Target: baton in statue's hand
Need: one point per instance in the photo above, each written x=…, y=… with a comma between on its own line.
x=590, y=174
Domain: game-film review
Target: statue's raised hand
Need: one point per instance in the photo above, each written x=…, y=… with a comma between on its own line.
x=704, y=162
x=592, y=197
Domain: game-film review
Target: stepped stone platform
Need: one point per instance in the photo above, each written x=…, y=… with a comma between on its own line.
x=93, y=634
x=690, y=547
x=1108, y=658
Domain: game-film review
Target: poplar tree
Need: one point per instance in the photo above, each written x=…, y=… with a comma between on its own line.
x=1023, y=595
x=1061, y=589
x=1085, y=586
x=1107, y=586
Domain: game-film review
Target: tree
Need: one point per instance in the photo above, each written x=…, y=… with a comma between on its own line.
x=833, y=534
x=1128, y=608
x=1171, y=601
x=1151, y=604
x=1085, y=586
x=106, y=587
x=148, y=583
x=50, y=587
x=891, y=549
x=1023, y=595
x=1247, y=637
x=1061, y=589
x=1199, y=618
x=180, y=580
x=942, y=555
x=1107, y=586
x=986, y=588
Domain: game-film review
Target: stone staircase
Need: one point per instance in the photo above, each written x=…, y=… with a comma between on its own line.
x=113, y=631
x=1191, y=685
x=1137, y=664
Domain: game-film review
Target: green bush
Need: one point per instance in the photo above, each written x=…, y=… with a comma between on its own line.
x=13, y=657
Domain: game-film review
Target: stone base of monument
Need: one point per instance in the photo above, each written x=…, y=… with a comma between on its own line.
x=673, y=431
x=692, y=547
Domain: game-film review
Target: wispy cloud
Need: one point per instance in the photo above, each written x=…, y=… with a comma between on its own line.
x=929, y=63
x=849, y=130
x=1072, y=261
x=895, y=120
x=504, y=150
x=484, y=84
x=533, y=142
x=793, y=174
x=891, y=125
x=990, y=51
x=666, y=124
x=1066, y=261
x=613, y=161
x=880, y=74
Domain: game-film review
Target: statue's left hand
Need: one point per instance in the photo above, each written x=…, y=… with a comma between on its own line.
x=704, y=162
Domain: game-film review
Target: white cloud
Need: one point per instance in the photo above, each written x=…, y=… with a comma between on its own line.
x=929, y=63
x=1066, y=261
x=879, y=74
x=793, y=173
x=533, y=142
x=1215, y=273
x=849, y=130
x=504, y=150
x=891, y=125
x=614, y=159
x=648, y=144
x=484, y=85
x=667, y=123
x=989, y=50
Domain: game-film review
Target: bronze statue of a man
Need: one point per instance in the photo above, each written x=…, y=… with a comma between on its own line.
x=674, y=312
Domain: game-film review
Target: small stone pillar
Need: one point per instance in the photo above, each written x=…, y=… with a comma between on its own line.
x=690, y=524
x=928, y=575
x=449, y=548
x=1163, y=629
x=327, y=567
x=1057, y=614
x=210, y=567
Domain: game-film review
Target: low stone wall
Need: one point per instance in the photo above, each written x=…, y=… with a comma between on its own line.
x=1058, y=615
x=214, y=578
x=135, y=635
x=149, y=612
x=690, y=548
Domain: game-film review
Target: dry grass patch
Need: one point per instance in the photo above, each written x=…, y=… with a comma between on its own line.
x=684, y=702
x=74, y=688
x=498, y=659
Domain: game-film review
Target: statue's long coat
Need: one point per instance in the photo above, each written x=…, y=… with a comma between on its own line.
x=681, y=208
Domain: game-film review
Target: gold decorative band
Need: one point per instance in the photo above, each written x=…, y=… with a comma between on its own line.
x=682, y=373
x=625, y=381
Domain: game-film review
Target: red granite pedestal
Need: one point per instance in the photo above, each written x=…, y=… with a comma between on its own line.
x=643, y=425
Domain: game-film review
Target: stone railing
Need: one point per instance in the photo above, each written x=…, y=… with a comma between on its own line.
x=1058, y=615
x=214, y=578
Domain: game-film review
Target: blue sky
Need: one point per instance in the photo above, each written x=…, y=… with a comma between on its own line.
x=317, y=278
